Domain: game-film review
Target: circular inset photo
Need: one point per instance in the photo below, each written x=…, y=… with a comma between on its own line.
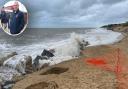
x=13, y=17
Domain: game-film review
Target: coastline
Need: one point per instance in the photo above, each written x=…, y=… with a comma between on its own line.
x=76, y=74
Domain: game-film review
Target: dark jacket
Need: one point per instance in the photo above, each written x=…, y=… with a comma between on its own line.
x=16, y=22
x=4, y=17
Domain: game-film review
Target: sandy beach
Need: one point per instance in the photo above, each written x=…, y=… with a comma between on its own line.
x=108, y=71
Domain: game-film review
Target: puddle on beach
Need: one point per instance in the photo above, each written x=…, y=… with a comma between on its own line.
x=55, y=70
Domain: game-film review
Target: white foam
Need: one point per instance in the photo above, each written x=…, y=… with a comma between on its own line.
x=16, y=62
x=102, y=36
x=7, y=73
x=4, y=46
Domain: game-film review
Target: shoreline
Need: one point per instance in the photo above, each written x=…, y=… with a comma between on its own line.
x=41, y=80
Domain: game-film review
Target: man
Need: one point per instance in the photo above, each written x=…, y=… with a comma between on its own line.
x=4, y=18
x=17, y=20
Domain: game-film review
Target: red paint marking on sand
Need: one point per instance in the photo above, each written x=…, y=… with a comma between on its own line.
x=96, y=61
x=100, y=62
x=118, y=69
x=113, y=62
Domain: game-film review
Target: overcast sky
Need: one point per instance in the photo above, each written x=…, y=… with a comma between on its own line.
x=75, y=13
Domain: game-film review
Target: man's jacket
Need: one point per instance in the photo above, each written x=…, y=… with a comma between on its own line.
x=16, y=22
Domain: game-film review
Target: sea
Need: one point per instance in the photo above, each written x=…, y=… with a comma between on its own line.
x=34, y=40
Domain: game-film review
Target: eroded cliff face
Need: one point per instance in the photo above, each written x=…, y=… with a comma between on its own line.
x=121, y=27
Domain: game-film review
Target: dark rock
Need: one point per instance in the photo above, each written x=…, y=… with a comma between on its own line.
x=36, y=62
x=29, y=68
x=7, y=85
x=48, y=53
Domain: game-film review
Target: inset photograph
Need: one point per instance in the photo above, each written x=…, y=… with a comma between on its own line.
x=13, y=18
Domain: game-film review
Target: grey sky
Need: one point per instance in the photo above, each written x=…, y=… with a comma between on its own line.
x=75, y=13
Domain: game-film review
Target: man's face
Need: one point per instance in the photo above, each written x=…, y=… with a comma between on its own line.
x=16, y=6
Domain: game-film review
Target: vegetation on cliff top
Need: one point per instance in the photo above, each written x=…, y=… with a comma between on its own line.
x=117, y=27
x=111, y=25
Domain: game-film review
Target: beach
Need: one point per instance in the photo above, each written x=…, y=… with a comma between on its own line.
x=79, y=74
